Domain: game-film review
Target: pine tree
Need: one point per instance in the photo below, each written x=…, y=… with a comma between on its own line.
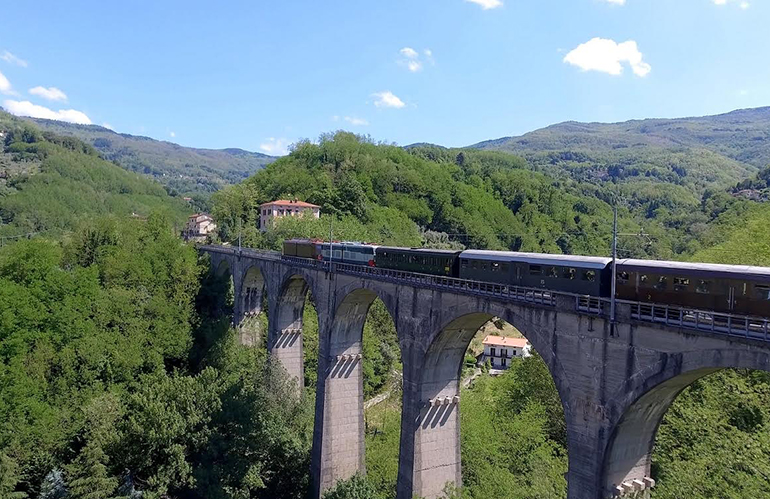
x=9, y=477
x=89, y=478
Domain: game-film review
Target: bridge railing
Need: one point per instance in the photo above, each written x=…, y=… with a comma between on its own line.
x=702, y=320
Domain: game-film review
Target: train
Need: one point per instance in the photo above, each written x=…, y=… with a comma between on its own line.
x=729, y=289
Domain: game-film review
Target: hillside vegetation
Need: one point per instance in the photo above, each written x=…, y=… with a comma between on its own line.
x=696, y=151
x=185, y=170
x=50, y=182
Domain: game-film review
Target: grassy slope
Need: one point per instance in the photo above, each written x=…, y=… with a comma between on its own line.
x=184, y=169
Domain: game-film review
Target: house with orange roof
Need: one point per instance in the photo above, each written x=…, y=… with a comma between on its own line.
x=285, y=208
x=501, y=350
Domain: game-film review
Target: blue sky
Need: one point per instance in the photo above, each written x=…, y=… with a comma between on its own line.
x=260, y=75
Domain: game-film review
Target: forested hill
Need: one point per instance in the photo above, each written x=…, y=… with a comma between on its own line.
x=725, y=146
x=54, y=183
x=185, y=170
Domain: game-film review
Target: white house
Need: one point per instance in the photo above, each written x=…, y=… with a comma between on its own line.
x=500, y=350
x=199, y=225
x=283, y=208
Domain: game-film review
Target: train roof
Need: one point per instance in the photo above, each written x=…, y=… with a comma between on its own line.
x=701, y=269
x=591, y=262
x=421, y=250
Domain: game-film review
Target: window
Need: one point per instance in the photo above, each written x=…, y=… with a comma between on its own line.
x=623, y=277
x=662, y=283
x=514, y=352
x=589, y=275
x=503, y=353
x=702, y=287
x=762, y=292
x=475, y=264
x=492, y=351
x=535, y=270
x=495, y=267
x=505, y=268
x=681, y=283
x=503, y=362
x=553, y=272
x=569, y=274
x=464, y=263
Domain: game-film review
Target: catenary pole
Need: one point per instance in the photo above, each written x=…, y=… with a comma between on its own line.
x=614, y=267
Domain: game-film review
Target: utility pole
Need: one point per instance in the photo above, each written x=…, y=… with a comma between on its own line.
x=331, y=248
x=614, y=267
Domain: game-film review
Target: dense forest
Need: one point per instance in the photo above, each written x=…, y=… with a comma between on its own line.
x=120, y=375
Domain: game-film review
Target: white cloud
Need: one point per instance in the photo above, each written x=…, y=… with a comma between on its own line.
x=335, y=118
x=50, y=93
x=387, y=99
x=412, y=60
x=616, y=2
x=743, y=4
x=487, y=4
x=414, y=66
x=275, y=147
x=172, y=134
x=107, y=125
x=12, y=59
x=5, y=85
x=607, y=56
x=356, y=121
x=26, y=108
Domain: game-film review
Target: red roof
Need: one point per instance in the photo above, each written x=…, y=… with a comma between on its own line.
x=505, y=342
x=286, y=202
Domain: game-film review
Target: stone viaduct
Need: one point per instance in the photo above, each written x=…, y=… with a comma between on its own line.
x=615, y=380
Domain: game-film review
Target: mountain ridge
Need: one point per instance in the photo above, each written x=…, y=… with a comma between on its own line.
x=179, y=168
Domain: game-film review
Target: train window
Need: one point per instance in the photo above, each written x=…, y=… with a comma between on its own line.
x=681, y=283
x=505, y=267
x=702, y=287
x=623, y=277
x=589, y=275
x=569, y=273
x=495, y=267
x=464, y=263
x=535, y=269
x=762, y=292
x=475, y=264
x=553, y=272
x=643, y=278
x=662, y=283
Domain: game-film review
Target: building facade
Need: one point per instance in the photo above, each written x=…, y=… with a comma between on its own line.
x=285, y=208
x=500, y=351
x=199, y=226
